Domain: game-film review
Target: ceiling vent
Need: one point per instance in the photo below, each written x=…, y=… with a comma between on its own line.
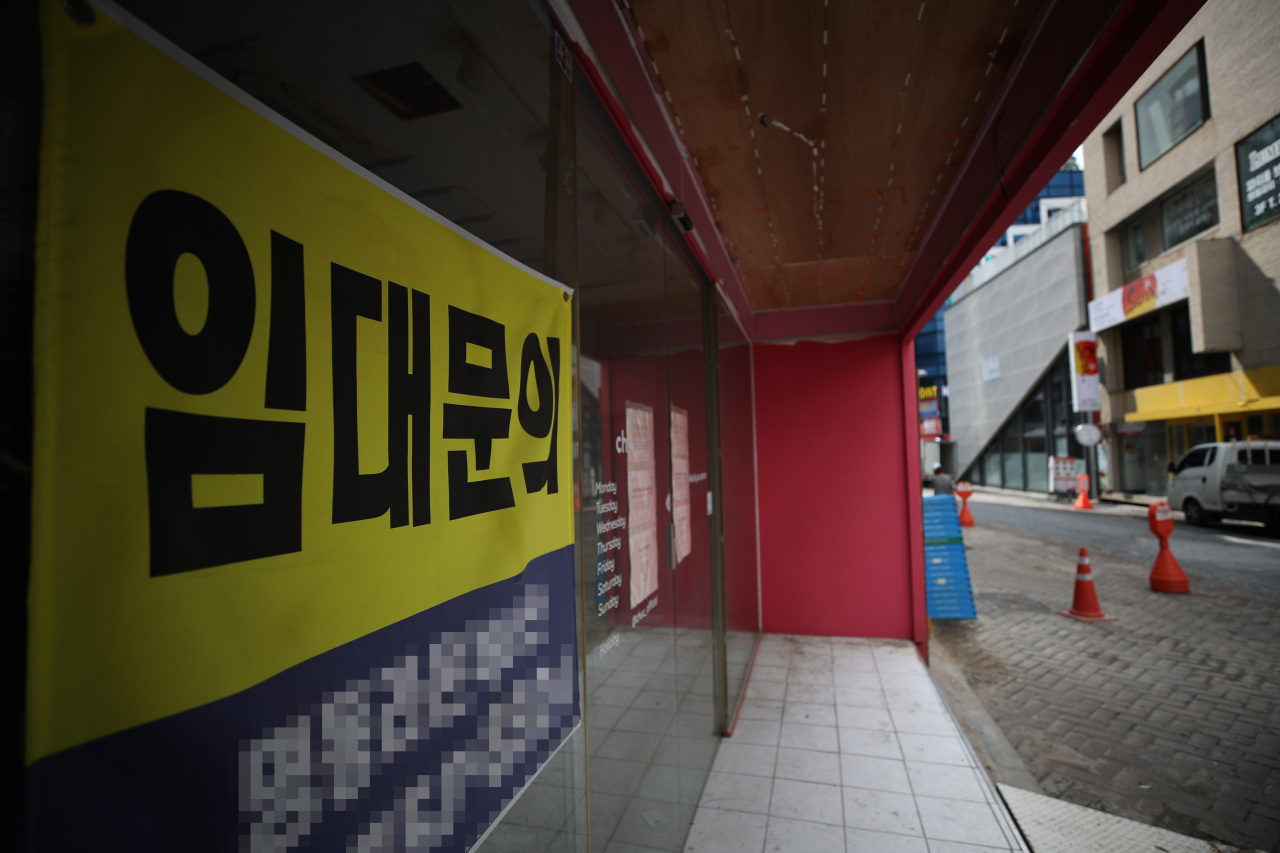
x=409, y=91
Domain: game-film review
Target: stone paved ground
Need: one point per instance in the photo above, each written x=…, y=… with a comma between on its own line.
x=1170, y=715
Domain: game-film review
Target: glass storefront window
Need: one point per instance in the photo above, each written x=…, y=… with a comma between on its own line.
x=1175, y=106
x=1037, y=464
x=991, y=473
x=1011, y=456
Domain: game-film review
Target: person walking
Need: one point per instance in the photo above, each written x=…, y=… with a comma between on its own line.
x=941, y=482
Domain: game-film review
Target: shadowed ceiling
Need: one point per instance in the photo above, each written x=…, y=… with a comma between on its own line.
x=826, y=133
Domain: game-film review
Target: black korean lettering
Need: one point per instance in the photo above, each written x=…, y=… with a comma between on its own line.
x=184, y=537
x=357, y=496
x=546, y=418
x=477, y=380
x=482, y=425
x=167, y=225
x=409, y=402
x=287, y=345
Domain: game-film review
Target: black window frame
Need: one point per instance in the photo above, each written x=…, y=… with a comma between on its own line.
x=1205, y=113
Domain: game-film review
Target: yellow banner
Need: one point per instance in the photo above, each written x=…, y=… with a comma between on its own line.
x=278, y=406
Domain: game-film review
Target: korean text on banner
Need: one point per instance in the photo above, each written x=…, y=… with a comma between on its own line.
x=302, y=477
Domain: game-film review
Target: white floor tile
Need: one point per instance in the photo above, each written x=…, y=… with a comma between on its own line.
x=957, y=820
x=878, y=774
x=854, y=662
x=936, y=846
x=759, y=732
x=807, y=765
x=801, y=736
x=760, y=709
x=899, y=680
x=861, y=697
x=766, y=689
x=881, y=811
x=809, y=676
x=853, y=717
x=809, y=713
x=946, y=781
x=716, y=831
x=870, y=742
x=902, y=666
x=737, y=792
x=867, y=841
x=802, y=836
x=932, y=749
x=807, y=801
x=823, y=694
x=923, y=722
x=768, y=673
x=850, y=678
x=747, y=758
x=914, y=700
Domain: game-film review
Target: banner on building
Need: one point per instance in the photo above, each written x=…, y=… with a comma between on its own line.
x=1086, y=390
x=1165, y=286
x=1258, y=175
x=302, y=569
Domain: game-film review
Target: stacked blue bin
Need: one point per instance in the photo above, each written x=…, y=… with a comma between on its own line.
x=948, y=591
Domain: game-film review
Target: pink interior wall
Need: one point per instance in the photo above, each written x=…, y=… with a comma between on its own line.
x=835, y=496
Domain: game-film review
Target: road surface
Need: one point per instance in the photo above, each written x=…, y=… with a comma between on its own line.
x=1240, y=555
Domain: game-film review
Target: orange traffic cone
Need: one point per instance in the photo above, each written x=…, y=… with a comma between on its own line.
x=1082, y=486
x=1084, y=605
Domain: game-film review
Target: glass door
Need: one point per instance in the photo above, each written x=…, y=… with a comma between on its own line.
x=644, y=532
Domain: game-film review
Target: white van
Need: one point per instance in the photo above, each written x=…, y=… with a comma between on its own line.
x=1240, y=479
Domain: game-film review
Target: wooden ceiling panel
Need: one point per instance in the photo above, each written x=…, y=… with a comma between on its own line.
x=905, y=85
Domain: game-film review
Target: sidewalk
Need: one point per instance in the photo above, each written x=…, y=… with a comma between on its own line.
x=1170, y=715
x=846, y=744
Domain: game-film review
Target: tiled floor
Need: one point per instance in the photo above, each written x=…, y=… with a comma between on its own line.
x=846, y=745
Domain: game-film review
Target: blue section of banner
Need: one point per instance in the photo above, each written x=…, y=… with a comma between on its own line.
x=413, y=737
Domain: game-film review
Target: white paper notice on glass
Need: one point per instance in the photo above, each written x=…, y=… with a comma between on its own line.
x=681, y=513
x=642, y=503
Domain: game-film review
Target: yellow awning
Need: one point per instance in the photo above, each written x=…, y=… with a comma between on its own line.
x=1235, y=393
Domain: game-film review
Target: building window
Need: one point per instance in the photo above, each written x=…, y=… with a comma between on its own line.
x=1133, y=236
x=1190, y=211
x=1175, y=106
x=1113, y=157
x=1143, y=352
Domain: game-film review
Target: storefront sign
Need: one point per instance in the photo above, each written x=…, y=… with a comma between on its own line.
x=1165, y=286
x=302, y=569
x=1086, y=390
x=930, y=427
x=1258, y=175
x=1062, y=473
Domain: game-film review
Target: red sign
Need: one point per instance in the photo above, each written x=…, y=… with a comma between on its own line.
x=930, y=427
x=1139, y=296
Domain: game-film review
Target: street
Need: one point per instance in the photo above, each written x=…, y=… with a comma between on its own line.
x=1169, y=715
x=1234, y=553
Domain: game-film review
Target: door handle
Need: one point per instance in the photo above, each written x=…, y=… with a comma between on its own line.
x=671, y=546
